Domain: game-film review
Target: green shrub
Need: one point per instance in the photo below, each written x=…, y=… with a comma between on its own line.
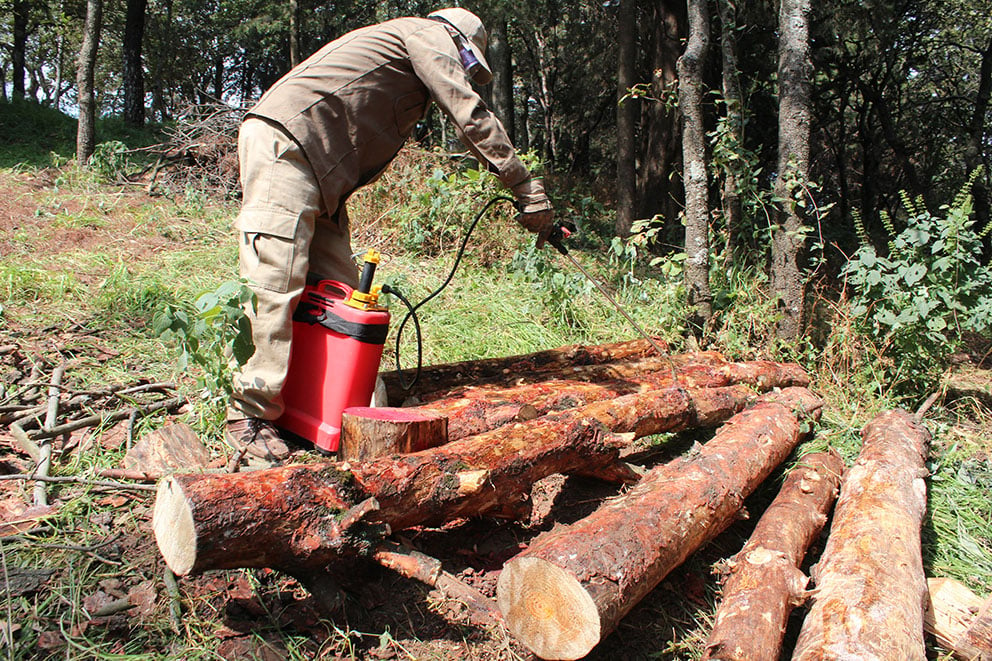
x=914, y=302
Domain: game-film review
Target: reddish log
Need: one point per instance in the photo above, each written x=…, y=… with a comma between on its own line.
x=765, y=581
x=870, y=588
x=296, y=517
x=367, y=433
x=473, y=410
x=567, y=591
x=452, y=375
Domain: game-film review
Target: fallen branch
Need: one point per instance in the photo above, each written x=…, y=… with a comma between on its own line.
x=107, y=418
x=45, y=448
x=101, y=484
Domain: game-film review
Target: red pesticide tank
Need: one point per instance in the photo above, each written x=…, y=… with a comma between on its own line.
x=334, y=361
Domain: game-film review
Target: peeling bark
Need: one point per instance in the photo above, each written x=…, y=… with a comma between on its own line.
x=452, y=375
x=300, y=517
x=474, y=410
x=765, y=581
x=870, y=588
x=569, y=590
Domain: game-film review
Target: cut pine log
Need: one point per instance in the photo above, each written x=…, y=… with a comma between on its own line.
x=367, y=433
x=296, y=517
x=569, y=590
x=765, y=581
x=452, y=375
x=960, y=620
x=473, y=410
x=870, y=587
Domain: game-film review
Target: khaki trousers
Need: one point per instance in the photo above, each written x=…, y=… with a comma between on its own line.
x=285, y=232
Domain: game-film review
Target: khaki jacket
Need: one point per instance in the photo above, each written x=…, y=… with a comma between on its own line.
x=352, y=105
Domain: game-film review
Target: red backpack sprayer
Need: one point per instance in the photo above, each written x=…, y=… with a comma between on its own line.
x=338, y=338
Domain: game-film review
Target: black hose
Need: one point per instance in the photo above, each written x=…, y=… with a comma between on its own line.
x=412, y=310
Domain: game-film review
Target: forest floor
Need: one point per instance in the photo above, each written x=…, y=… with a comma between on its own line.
x=84, y=577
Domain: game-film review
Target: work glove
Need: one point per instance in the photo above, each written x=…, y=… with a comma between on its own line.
x=536, y=214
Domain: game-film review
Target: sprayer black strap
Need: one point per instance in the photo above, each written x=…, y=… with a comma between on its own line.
x=368, y=333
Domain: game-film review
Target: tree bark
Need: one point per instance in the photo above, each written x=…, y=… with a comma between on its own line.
x=793, y=164
x=697, y=212
x=570, y=589
x=298, y=518
x=86, y=129
x=451, y=375
x=294, y=33
x=19, y=47
x=133, y=71
x=738, y=239
x=502, y=86
x=475, y=410
x=626, y=113
x=870, y=587
x=658, y=195
x=765, y=581
x=367, y=433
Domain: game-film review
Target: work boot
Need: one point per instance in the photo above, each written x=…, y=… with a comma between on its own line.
x=257, y=437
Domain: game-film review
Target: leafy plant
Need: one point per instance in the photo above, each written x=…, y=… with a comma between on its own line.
x=915, y=301
x=214, y=335
x=109, y=160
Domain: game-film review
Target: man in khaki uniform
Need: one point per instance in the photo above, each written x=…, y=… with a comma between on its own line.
x=329, y=126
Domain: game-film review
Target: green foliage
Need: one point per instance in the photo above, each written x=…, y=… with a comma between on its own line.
x=130, y=297
x=915, y=301
x=109, y=160
x=213, y=334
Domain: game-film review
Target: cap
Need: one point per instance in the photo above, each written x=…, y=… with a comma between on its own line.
x=469, y=26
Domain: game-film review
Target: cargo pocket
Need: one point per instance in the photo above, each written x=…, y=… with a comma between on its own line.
x=267, y=248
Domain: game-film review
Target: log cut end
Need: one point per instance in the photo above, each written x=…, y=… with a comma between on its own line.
x=547, y=609
x=175, y=531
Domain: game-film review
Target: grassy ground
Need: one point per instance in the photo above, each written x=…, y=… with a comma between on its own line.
x=85, y=265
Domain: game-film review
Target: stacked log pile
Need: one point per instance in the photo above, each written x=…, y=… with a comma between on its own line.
x=576, y=410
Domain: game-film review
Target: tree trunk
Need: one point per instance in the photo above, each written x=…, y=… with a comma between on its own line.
x=474, y=410
x=975, y=155
x=738, y=236
x=793, y=164
x=502, y=86
x=626, y=146
x=298, y=518
x=86, y=130
x=570, y=589
x=870, y=587
x=133, y=73
x=19, y=47
x=294, y=33
x=697, y=212
x=658, y=194
x=439, y=378
x=765, y=581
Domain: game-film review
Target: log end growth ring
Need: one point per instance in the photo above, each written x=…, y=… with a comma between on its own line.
x=175, y=531
x=547, y=609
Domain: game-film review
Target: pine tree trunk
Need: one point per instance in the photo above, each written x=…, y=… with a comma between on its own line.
x=19, y=47
x=765, y=581
x=133, y=73
x=626, y=115
x=697, y=212
x=870, y=587
x=793, y=164
x=738, y=241
x=299, y=518
x=86, y=130
x=502, y=86
x=571, y=588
